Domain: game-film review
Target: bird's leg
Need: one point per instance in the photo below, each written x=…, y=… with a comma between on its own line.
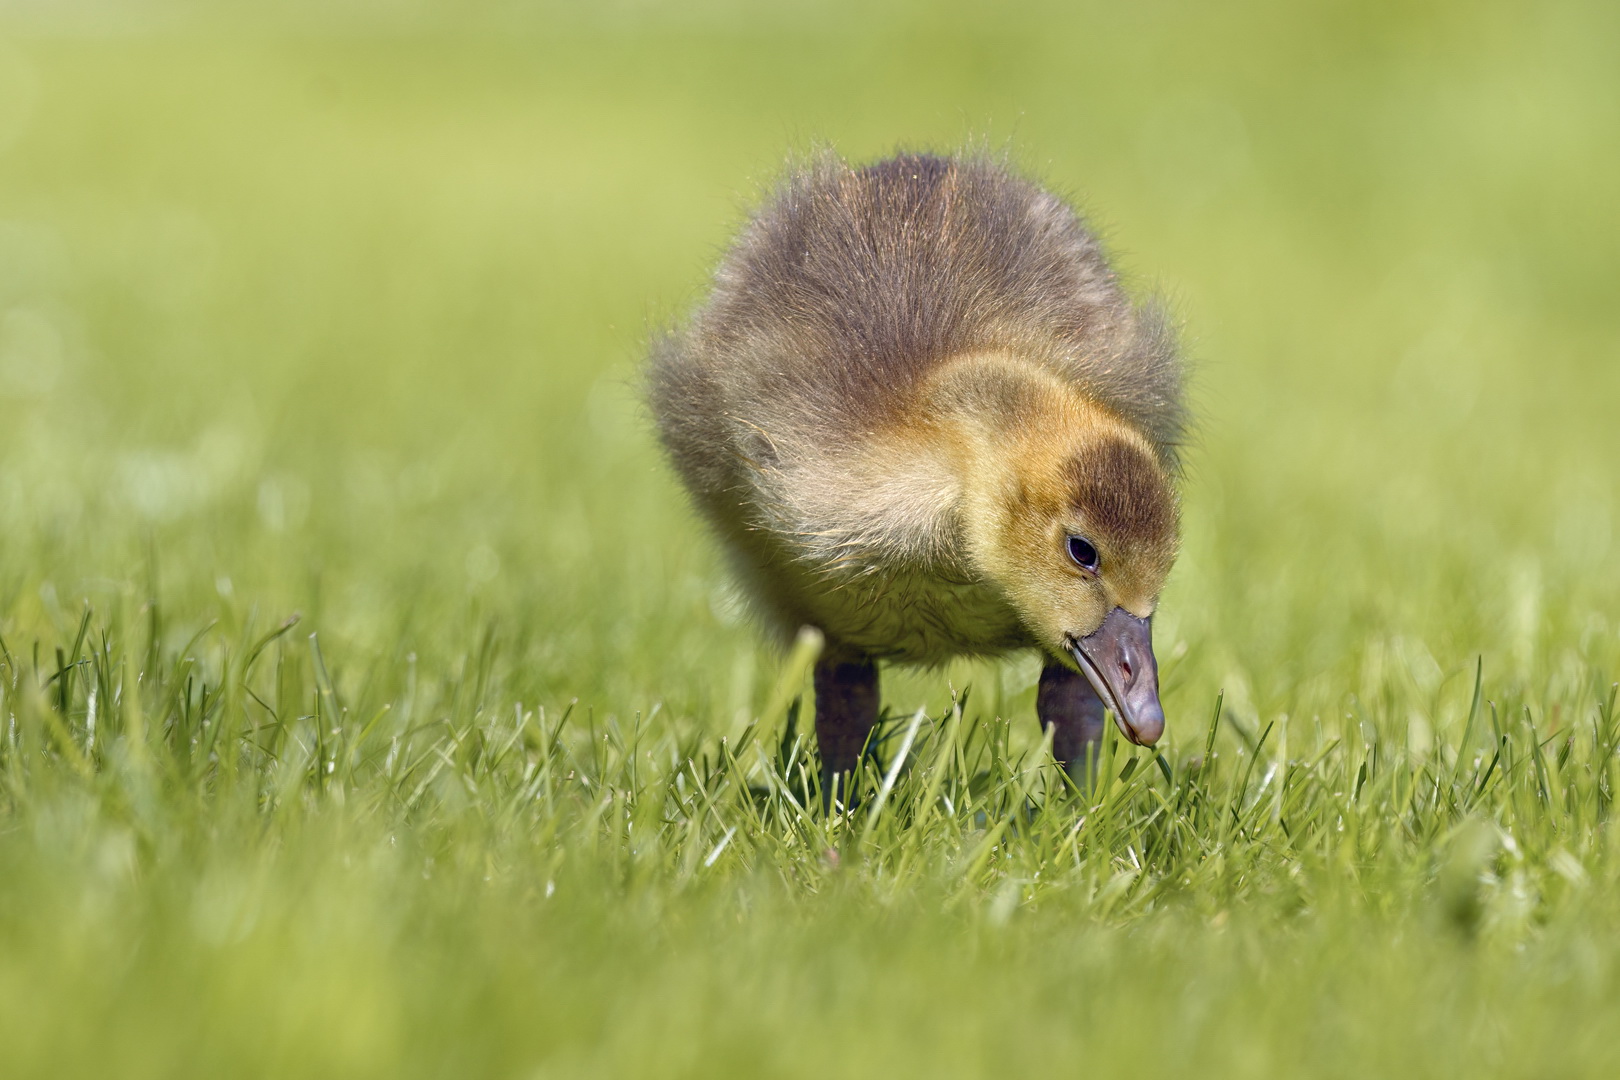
x=1068, y=705
x=846, y=709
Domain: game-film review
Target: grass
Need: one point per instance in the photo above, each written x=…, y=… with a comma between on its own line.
x=373, y=706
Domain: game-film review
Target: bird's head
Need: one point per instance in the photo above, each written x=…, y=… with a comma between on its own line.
x=1079, y=526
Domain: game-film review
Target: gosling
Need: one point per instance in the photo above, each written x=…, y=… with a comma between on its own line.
x=923, y=417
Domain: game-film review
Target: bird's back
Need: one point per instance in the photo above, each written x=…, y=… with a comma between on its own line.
x=850, y=285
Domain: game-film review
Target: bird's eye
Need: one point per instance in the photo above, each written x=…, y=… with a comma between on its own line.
x=1083, y=553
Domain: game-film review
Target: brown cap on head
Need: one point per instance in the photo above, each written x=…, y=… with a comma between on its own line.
x=1121, y=491
x=1119, y=486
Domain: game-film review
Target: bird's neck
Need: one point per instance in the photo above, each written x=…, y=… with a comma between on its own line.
x=1009, y=426
x=986, y=430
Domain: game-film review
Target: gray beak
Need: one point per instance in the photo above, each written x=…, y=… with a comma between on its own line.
x=1118, y=661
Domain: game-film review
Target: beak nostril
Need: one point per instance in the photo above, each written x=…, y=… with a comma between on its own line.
x=1125, y=665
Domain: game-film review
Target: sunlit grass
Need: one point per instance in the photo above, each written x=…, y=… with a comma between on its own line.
x=372, y=705
x=452, y=880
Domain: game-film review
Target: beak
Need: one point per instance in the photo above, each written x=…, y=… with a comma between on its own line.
x=1118, y=661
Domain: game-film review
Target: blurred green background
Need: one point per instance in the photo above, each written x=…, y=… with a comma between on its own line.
x=344, y=308
x=338, y=309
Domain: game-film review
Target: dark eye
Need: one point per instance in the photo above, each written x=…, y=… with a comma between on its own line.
x=1083, y=554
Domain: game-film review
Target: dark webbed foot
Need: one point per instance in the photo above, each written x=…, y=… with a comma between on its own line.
x=846, y=709
x=1068, y=705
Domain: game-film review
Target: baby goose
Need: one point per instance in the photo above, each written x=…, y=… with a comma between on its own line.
x=924, y=418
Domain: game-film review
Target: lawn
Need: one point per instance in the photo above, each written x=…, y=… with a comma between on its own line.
x=374, y=706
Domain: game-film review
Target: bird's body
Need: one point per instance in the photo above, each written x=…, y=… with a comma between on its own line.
x=906, y=377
